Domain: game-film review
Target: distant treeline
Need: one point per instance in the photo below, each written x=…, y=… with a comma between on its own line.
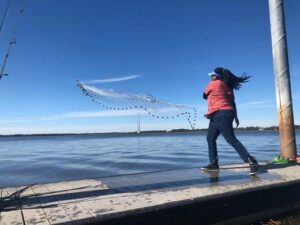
x=252, y=128
x=264, y=128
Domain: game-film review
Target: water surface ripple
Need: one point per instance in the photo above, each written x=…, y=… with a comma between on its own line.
x=42, y=159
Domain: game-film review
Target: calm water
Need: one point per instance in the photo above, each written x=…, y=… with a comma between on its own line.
x=29, y=160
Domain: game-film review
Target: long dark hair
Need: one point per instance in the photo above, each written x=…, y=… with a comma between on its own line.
x=233, y=81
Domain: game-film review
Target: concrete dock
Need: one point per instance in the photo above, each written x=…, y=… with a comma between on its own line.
x=186, y=196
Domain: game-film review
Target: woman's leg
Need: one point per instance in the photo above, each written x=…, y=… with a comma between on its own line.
x=212, y=135
x=226, y=128
x=225, y=119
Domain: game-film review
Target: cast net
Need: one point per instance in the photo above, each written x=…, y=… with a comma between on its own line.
x=141, y=103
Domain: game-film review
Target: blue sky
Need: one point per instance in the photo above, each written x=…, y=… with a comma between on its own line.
x=169, y=46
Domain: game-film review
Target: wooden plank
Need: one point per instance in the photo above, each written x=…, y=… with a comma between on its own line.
x=44, y=196
x=31, y=208
x=35, y=216
x=78, y=212
x=39, y=189
x=56, y=213
x=100, y=207
x=9, y=192
x=86, y=184
x=10, y=202
x=75, y=188
x=51, y=206
x=74, y=191
x=124, y=203
x=79, y=190
x=58, y=192
x=11, y=213
x=11, y=217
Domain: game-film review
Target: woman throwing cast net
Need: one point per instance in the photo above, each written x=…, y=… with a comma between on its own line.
x=221, y=113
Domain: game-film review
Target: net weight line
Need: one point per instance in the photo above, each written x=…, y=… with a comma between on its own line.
x=153, y=106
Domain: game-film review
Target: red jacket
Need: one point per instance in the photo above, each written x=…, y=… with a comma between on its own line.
x=219, y=96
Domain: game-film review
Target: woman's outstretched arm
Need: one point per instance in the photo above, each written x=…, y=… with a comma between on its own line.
x=236, y=119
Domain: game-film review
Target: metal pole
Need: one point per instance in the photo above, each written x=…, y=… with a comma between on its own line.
x=282, y=80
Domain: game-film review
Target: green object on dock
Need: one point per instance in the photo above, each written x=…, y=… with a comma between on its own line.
x=279, y=160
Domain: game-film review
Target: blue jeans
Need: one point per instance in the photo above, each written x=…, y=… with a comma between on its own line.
x=221, y=122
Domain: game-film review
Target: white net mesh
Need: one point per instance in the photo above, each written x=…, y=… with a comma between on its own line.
x=112, y=100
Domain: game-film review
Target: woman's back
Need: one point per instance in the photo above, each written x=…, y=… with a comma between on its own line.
x=219, y=96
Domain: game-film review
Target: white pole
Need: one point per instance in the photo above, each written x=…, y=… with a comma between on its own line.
x=138, y=123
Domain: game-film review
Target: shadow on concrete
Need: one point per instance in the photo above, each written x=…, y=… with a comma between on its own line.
x=47, y=198
x=265, y=168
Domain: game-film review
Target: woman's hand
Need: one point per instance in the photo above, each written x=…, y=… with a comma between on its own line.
x=237, y=122
x=208, y=116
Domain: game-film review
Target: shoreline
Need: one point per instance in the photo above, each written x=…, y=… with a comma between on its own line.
x=175, y=131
